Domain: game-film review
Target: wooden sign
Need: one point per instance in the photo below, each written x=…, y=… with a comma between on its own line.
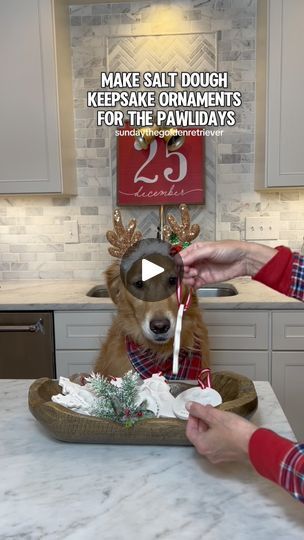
x=157, y=176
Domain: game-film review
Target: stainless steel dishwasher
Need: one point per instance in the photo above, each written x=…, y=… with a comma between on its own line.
x=26, y=345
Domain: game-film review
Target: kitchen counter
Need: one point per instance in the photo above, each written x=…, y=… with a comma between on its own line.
x=56, y=490
x=71, y=295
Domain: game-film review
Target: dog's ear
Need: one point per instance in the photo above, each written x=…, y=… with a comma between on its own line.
x=113, y=280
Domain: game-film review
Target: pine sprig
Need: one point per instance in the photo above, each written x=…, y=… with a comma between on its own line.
x=129, y=388
x=118, y=403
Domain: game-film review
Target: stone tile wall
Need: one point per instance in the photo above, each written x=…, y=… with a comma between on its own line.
x=31, y=228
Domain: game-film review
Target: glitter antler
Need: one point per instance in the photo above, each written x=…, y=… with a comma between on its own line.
x=122, y=237
x=184, y=233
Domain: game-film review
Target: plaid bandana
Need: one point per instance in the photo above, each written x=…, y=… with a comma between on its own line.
x=146, y=362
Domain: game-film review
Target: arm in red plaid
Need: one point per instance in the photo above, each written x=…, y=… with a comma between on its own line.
x=279, y=460
x=284, y=273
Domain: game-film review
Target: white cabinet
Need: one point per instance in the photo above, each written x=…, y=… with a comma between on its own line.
x=36, y=106
x=252, y=364
x=78, y=338
x=280, y=83
x=288, y=365
x=237, y=329
x=263, y=345
x=288, y=331
x=70, y=362
x=288, y=384
x=239, y=342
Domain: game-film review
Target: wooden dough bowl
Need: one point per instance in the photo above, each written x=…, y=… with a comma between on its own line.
x=238, y=394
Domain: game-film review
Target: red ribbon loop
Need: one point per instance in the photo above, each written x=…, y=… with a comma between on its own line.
x=204, y=379
x=179, y=295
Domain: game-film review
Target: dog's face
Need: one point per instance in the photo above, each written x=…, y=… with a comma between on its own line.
x=154, y=321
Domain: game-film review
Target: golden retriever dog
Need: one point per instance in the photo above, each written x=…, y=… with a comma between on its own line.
x=150, y=325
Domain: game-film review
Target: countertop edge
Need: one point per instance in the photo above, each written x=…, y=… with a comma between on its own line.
x=52, y=295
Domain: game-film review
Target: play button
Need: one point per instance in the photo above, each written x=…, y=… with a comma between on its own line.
x=150, y=271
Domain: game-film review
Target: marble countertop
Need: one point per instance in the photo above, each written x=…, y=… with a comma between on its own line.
x=71, y=295
x=53, y=490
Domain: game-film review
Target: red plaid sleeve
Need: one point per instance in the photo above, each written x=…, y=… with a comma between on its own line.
x=279, y=460
x=292, y=472
x=284, y=273
x=277, y=272
x=297, y=277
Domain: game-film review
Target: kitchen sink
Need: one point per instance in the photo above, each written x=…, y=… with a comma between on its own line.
x=218, y=289
x=207, y=291
x=99, y=291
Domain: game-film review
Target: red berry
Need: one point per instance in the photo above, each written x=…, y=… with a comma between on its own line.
x=175, y=249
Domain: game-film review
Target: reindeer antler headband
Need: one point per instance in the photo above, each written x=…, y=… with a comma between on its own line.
x=122, y=237
x=179, y=235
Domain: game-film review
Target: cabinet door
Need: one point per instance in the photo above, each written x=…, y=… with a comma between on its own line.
x=237, y=329
x=70, y=362
x=252, y=364
x=31, y=155
x=281, y=75
x=288, y=331
x=285, y=94
x=81, y=329
x=288, y=383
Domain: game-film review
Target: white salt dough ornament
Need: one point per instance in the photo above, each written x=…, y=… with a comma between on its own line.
x=178, y=327
x=156, y=391
x=204, y=396
x=177, y=335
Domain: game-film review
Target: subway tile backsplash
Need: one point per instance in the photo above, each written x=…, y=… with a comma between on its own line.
x=32, y=244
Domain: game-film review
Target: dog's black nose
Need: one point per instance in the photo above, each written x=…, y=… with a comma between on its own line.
x=160, y=326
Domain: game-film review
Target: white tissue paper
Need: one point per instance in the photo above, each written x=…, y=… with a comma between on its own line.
x=74, y=397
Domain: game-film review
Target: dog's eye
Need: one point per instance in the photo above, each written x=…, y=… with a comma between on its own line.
x=138, y=284
x=172, y=280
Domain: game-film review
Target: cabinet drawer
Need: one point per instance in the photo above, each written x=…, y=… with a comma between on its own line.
x=237, y=330
x=70, y=362
x=252, y=364
x=81, y=329
x=288, y=331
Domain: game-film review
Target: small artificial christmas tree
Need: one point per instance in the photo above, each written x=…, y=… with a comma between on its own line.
x=118, y=400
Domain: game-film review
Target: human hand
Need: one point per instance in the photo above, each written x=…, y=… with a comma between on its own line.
x=210, y=262
x=218, y=435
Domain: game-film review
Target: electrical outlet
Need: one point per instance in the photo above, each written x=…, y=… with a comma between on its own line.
x=262, y=227
x=71, y=232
